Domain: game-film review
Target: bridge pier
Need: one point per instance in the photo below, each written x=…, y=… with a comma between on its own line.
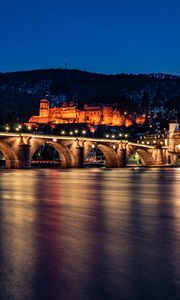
x=165, y=156
x=79, y=155
x=122, y=153
x=24, y=156
x=7, y=164
x=172, y=158
x=158, y=155
x=122, y=158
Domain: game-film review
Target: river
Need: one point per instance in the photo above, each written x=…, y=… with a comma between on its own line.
x=90, y=234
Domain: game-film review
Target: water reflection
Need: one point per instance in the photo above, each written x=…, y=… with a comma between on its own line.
x=90, y=234
x=16, y=236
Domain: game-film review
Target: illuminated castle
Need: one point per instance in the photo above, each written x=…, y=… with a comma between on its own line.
x=92, y=115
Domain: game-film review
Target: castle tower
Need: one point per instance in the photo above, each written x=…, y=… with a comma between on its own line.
x=173, y=126
x=44, y=108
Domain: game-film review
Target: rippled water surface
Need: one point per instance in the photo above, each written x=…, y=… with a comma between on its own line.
x=90, y=234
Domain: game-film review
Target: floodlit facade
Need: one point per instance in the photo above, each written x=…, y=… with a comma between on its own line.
x=92, y=115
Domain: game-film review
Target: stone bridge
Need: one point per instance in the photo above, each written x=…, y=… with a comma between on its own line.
x=18, y=150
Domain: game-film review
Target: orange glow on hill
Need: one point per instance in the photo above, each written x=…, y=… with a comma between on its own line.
x=92, y=115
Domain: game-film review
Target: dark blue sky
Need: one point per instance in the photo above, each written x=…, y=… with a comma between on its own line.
x=131, y=36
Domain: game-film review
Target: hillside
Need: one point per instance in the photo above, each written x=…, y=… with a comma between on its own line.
x=20, y=92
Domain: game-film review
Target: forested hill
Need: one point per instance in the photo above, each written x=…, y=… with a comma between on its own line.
x=20, y=92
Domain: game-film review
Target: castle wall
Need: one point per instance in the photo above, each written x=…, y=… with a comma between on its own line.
x=93, y=115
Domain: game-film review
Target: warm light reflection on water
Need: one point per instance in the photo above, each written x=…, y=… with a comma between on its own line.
x=90, y=234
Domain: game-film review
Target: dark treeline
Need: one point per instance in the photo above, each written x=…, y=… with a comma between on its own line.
x=20, y=92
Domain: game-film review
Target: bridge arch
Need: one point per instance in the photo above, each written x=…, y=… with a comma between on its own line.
x=11, y=159
x=67, y=160
x=111, y=158
x=110, y=155
x=145, y=156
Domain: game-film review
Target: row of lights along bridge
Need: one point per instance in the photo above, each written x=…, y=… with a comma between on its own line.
x=21, y=128
x=148, y=140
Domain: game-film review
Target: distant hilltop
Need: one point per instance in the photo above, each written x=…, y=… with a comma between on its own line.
x=20, y=91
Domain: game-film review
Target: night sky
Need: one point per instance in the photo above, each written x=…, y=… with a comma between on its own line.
x=129, y=36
